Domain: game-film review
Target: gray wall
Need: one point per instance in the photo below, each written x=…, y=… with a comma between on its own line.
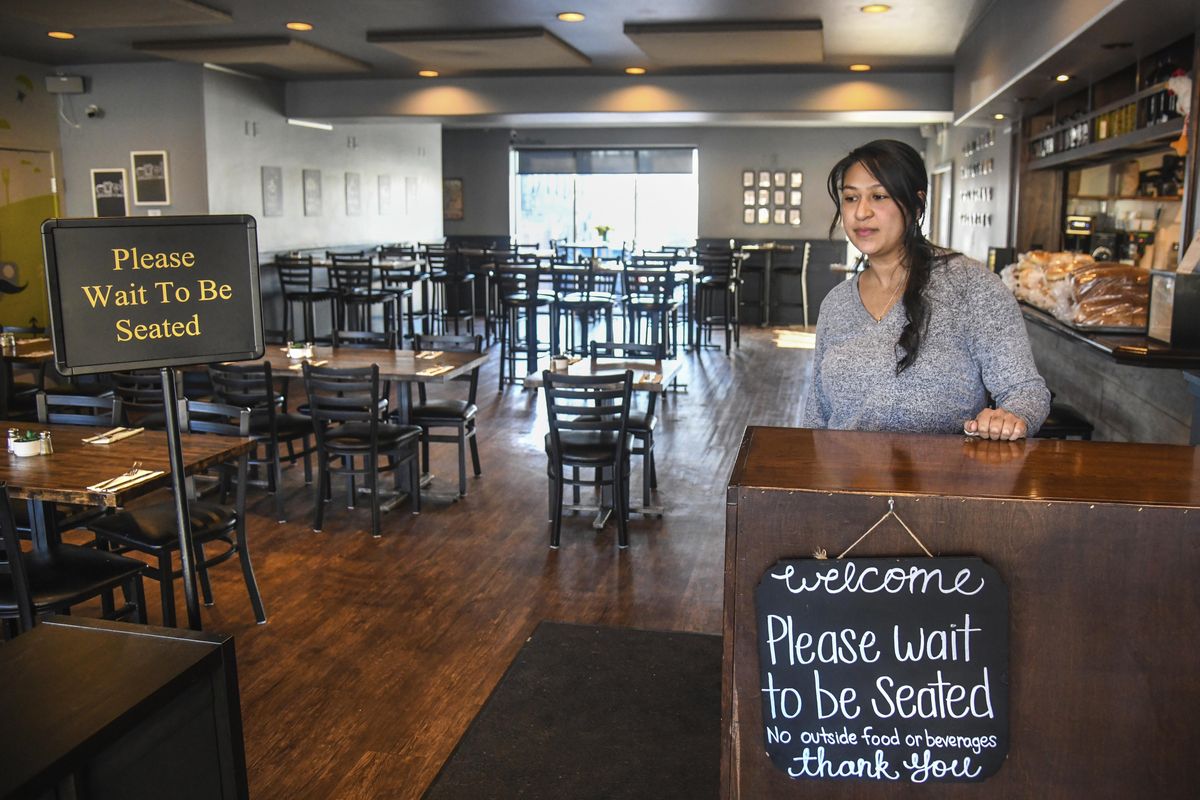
x=146, y=107
x=29, y=119
x=947, y=148
x=480, y=157
x=245, y=130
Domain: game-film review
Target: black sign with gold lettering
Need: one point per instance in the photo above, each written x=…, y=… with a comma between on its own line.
x=140, y=292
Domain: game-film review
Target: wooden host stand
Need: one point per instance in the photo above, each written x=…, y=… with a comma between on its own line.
x=1099, y=544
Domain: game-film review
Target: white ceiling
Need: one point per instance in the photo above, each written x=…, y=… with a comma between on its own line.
x=915, y=35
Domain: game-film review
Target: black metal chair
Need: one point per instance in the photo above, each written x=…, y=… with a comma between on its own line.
x=78, y=409
x=151, y=527
x=358, y=293
x=253, y=386
x=140, y=393
x=460, y=415
x=453, y=289
x=520, y=300
x=651, y=299
x=36, y=583
x=297, y=284
x=589, y=430
x=345, y=408
x=717, y=297
x=584, y=293
x=641, y=423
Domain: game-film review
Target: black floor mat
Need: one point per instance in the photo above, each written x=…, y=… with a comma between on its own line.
x=586, y=712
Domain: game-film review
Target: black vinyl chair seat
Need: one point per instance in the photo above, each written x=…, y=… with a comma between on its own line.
x=68, y=575
x=640, y=422
x=522, y=298
x=451, y=410
x=286, y=423
x=588, y=299
x=153, y=527
x=356, y=436
x=585, y=448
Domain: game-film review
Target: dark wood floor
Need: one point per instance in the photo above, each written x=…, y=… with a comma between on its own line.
x=379, y=652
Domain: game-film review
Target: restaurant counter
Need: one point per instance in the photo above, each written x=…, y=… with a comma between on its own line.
x=1097, y=544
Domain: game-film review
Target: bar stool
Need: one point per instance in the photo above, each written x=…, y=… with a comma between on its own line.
x=717, y=297
x=520, y=299
x=357, y=294
x=453, y=289
x=582, y=294
x=296, y=285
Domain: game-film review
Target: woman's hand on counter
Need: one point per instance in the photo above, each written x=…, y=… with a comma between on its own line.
x=996, y=424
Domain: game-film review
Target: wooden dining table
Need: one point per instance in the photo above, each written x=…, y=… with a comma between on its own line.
x=402, y=367
x=63, y=476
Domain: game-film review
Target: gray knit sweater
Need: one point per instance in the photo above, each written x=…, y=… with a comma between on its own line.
x=975, y=343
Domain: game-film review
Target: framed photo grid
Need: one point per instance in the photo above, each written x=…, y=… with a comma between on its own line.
x=109, y=197
x=772, y=196
x=151, y=182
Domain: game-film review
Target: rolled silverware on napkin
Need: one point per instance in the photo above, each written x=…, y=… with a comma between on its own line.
x=114, y=435
x=125, y=480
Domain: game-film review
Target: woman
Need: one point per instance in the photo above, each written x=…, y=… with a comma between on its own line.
x=920, y=338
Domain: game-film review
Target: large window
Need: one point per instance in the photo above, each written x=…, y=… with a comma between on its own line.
x=645, y=196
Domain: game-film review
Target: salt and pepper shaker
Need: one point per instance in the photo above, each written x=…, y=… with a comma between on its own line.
x=12, y=437
x=47, y=445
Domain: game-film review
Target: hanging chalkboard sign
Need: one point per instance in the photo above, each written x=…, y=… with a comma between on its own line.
x=135, y=292
x=884, y=669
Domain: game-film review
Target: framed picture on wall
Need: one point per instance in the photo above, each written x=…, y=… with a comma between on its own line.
x=748, y=197
x=108, y=193
x=151, y=184
x=385, y=194
x=793, y=216
x=780, y=177
x=747, y=177
x=793, y=197
x=780, y=216
x=779, y=196
x=764, y=196
x=764, y=178
x=452, y=198
x=748, y=216
x=353, y=194
x=272, y=191
x=764, y=215
x=312, y=192
x=795, y=179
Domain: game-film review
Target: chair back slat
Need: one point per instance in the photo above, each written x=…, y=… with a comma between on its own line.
x=597, y=404
x=342, y=395
x=78, y=409
x=223, y=419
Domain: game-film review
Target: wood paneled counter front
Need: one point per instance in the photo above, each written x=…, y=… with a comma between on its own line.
x=1098, y=543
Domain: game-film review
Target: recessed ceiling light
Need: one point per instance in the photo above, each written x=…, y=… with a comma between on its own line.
x=60, y=35
x=299, y=26
x=571, y=16
x=875, y=8
x=1062, y=78
x=635, y=70
x=429, y=73
x=860, y=67
x=997, y=116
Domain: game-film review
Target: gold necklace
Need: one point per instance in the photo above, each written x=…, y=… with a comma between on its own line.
x=892, y=299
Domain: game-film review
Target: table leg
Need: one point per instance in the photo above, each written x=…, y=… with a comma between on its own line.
x=43, y=524
x=766, y=289
x=531, y=332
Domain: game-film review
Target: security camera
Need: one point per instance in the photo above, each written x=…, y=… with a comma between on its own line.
x=94, y=111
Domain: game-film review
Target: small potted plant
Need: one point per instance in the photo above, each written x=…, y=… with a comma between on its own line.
x=602, y=232
x=27, y=443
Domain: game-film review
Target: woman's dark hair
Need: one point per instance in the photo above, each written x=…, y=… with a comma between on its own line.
x=900, y=169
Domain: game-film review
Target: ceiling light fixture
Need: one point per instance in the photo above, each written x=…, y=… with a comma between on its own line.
x=997, y=116
x=875, y=8
x=429, y=73
x=307, y=123
x=64, y=35
x=571, y=16
x=635, y=70
x=860, y=67
x=299, y=26
x=1062, y=78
